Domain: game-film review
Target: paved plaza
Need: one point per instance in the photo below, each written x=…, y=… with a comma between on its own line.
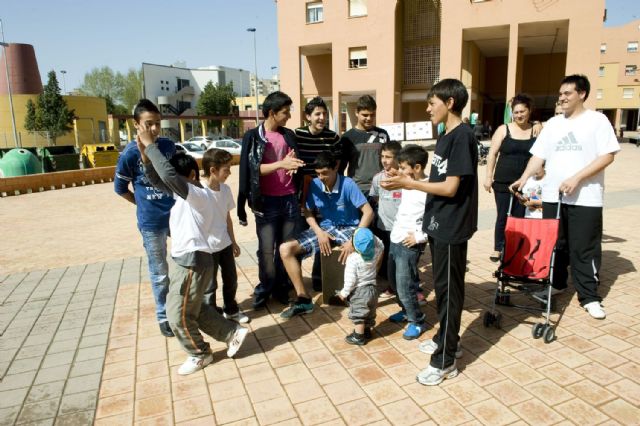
x=79, y=343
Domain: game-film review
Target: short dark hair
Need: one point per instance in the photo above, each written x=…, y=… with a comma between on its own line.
x=275, y=101
x=522, y=99
x=412, y=155
x=366, y=102
x=184, y=163
x=580, y=81
x=144, y=105
x=450, y=88
x=215, y=157
x=392, y=146
x=325, y=160
x=314, y=103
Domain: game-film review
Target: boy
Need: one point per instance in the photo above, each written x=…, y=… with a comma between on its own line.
x=269, y=184
x=360, y=284
x=340, y=204
x=361, y=145
x=312, y=140
x=385, y=203
x=450, y=220
x=217, y=168
x=152, y=206
x=408, y=242
x=195, y=228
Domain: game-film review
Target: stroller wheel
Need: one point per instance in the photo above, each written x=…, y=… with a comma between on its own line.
x=537, y=330
x=549, y=334
x=497, y=319
x=488, y=319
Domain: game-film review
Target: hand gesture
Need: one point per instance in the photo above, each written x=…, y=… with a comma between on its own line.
x=537, y=128
x=488, y=183
x=324, y=240
x=569, y=185
x=396, y=181
x=144, y=135
x=346, y=250
x=516, y=186
x=410, y=240
x=291, y=163
x=236, y=250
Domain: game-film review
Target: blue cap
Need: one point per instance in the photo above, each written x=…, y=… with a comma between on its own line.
x=363, y=243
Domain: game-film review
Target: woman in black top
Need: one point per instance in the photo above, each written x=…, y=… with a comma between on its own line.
x=512, y=142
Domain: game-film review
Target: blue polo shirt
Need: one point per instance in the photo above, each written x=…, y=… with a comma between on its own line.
x=341, y=206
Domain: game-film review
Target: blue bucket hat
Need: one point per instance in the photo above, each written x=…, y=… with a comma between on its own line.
x=363, y=243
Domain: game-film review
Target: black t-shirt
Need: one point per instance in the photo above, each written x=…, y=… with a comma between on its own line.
x=454, y=219
x=362, y=151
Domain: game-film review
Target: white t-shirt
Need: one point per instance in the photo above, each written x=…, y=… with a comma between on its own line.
x=532, y=189
x=409, y=216
x=568, y=146
x=199, y=223
x=359, y=272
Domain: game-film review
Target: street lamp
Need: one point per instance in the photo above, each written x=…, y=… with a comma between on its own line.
x=6, y=67
x=64, y=81
x=255, y=64
x=275, y=83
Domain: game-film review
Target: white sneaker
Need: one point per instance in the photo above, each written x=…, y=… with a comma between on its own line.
x=236, y=340
x=194, y=363
x=432, y=376
x=238, y=317
x=429, y=347
x=595, y=310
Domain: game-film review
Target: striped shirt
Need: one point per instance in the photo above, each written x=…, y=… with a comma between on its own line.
x=310, y=145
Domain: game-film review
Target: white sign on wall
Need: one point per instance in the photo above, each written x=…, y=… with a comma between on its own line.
x=419, y=130
x=395, y=130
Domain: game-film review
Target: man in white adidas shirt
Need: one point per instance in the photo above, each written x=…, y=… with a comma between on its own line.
x=575, y=148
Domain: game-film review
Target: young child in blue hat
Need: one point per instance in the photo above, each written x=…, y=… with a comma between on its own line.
x=360, y=284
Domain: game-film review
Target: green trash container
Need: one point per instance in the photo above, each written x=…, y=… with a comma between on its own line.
x=59, y=158
x=19, y=162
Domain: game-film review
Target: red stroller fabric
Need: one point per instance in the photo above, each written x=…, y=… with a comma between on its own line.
x=529, y=244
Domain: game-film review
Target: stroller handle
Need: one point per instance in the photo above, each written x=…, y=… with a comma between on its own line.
x=557, y=210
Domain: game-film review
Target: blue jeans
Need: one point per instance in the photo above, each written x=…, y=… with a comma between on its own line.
x=403, y=273
x=155, y=245
x=276, y=225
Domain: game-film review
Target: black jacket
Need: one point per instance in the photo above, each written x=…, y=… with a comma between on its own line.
x=253, y=144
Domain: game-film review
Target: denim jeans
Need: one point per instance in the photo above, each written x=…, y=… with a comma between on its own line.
x=403, y=267
x=155, y=245
x=276, y=225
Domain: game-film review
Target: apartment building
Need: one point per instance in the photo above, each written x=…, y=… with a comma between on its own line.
x=396, y=50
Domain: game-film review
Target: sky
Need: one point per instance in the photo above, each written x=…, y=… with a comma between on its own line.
x=77, y=36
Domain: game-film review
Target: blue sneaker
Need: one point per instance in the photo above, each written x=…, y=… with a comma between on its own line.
x=297, y=309
x=398, y=317
x=414, y=330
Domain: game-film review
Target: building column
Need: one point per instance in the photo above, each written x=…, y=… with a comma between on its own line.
x=182, y=129
x=127, y=125
x=203, y=126
x=512, y=66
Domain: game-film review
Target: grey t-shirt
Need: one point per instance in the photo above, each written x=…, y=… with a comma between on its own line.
x=388, y=202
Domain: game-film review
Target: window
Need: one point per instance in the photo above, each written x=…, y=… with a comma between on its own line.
x=599, y=94
x=314, y=12
x=627, y=93
x=632, y=47
x=357, y=57
x=601, y=72
x=630, y=69
x=357, y=8
x=603, y=48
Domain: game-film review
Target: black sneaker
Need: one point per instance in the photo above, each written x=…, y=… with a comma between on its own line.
x=165, y=329
x=297, y=309
x=260, y=301
x=356, y=339
x=367, y=333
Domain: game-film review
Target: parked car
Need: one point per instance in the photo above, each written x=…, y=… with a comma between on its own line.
x=194, y=150
x=229, y=145
x=203, y=141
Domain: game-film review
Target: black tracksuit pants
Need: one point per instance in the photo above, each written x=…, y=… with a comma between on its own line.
x=579, y=245
x=449, y=264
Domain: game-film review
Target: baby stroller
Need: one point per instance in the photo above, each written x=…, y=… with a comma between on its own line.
x=526, y=265
x=483, y=152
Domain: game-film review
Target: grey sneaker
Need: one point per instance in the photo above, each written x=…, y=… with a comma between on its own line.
x=236, y=340
x=195, y=363
x=429, y=347
x=432, y=376
x=297, y=309
x=238, y=317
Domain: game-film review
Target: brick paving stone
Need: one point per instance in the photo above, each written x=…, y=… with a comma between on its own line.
x=78, y=402
x=45, y=391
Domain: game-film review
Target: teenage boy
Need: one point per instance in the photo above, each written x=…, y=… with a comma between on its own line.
x=340, y=204
x=574, y=149
x=385, y=204
x=152, y=205
x=196, y=229
x=312, y=140
x=216, y=165
x=269, y=184
x=450, y=219
x=361, y=145
x=408, y=242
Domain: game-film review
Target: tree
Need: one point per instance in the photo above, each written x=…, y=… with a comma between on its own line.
x=52, y=115
x=217, y=99
x=113, y=108
x=30, y=119
x=102, y=82
x=131, y=88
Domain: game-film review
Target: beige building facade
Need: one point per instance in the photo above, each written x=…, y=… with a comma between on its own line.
x=617, y=90
x=396, y=50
